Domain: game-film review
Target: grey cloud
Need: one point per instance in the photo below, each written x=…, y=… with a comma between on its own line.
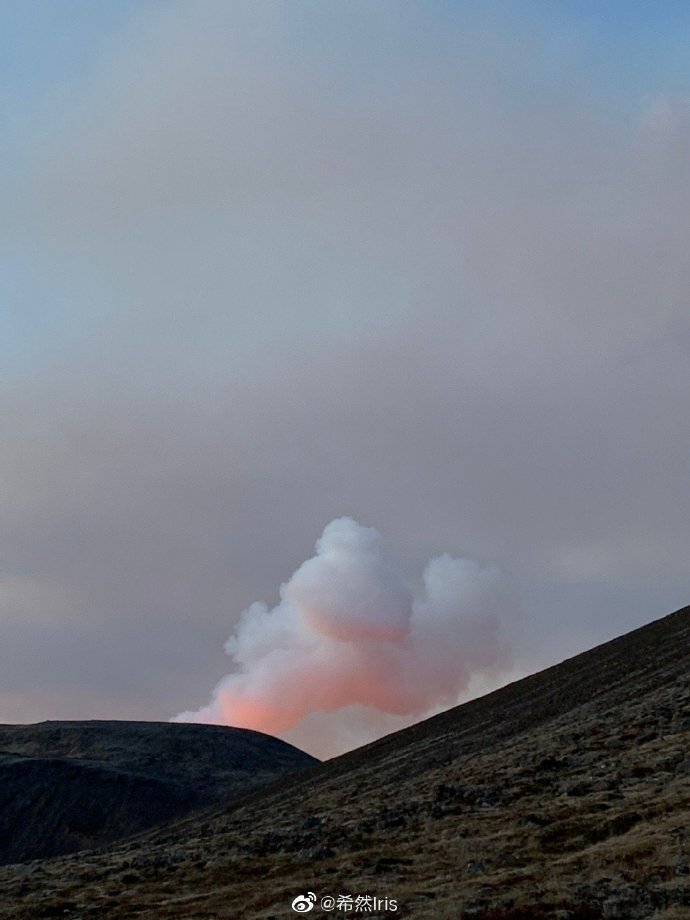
x=392, y=294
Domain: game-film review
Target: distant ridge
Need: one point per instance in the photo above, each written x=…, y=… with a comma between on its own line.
x=68, y=786
x=563, y=795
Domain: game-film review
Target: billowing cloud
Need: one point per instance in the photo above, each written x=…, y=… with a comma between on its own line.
x=348, y=632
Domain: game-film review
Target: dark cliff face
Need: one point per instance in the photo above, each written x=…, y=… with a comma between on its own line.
x=67, y=786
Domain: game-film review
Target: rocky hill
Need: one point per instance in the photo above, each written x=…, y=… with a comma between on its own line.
x=68, y=786
x=565, y=796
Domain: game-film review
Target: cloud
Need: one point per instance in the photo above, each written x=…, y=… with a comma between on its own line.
x=348, y=632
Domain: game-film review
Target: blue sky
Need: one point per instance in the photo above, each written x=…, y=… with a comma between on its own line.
x=268, y=264
x=625, y=48
x=45, y=42
x=45, y=49
x=617, y=54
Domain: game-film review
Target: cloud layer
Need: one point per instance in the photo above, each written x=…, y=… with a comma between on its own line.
x=421, y=263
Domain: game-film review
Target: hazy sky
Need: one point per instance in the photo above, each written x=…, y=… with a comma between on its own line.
x=266, y=264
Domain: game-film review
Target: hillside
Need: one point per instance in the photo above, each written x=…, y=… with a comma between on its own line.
x=66, y=786
x=565, y=795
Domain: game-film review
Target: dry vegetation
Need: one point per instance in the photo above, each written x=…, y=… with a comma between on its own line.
x=565, y=795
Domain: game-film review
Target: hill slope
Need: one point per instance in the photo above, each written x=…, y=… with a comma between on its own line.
x=66, y=786
x=564, y=795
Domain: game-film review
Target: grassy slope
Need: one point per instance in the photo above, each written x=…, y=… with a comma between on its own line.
x=564, y=795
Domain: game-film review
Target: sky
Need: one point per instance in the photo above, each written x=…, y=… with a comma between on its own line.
x=268, y=265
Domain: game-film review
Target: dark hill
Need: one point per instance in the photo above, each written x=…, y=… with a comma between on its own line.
x=67, y=786
x=564, y=796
